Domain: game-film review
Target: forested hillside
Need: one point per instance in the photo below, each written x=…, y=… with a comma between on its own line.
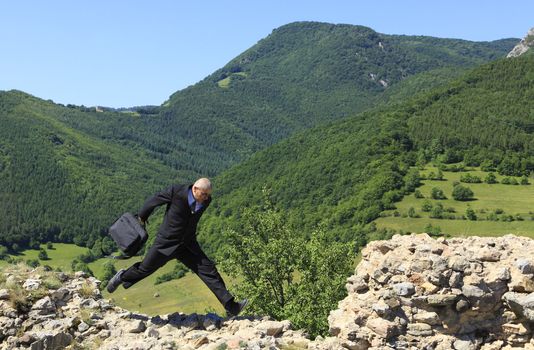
x=67, y=171
x=58, y=182
x=345, y=174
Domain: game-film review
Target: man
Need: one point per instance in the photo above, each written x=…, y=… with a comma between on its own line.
x=176, y=239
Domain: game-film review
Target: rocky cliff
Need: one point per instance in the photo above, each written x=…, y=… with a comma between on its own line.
x=523, y=46
x=410, y=292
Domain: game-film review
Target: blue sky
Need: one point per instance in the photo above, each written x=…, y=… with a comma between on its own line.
x=123, y=53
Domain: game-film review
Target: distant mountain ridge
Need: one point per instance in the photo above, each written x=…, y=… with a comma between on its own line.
x=304, y=74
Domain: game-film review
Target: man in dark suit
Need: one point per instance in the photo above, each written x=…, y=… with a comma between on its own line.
x=176, y=239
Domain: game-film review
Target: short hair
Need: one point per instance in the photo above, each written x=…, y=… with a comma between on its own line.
x=203, y=183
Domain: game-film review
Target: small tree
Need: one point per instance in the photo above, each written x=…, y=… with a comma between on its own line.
x=43, y=255
x=3, y=252
x=524, y=180
x=426, y=206
x=109, y=272
x=490, y=179
x=437, y=211
x=412, y=213
x=434, y=231
x=283, y=273
x=470, y=214
x=462, y=193
x=437, y=193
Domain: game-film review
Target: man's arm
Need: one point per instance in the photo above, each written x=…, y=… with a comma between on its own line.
x=160, y=198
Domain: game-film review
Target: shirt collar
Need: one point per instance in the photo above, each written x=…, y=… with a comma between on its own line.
x=193, y=204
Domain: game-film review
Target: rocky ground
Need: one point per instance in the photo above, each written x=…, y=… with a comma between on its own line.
x=410, y=292
x=415, y=292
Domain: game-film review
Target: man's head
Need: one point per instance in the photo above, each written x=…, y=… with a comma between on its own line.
x=202, y=190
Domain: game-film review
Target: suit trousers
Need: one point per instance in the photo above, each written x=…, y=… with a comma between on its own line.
x=191, y=256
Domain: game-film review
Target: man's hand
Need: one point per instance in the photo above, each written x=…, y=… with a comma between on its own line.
x=142, y=222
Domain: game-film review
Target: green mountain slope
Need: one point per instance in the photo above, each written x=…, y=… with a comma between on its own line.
x=345, y=174
x=304, y=74
x=60, y=183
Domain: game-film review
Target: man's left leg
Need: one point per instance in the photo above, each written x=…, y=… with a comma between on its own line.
x=194, y=258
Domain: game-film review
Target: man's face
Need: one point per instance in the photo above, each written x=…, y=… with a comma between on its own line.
x=201, y=195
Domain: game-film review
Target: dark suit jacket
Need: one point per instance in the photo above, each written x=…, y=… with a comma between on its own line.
x=179, y=223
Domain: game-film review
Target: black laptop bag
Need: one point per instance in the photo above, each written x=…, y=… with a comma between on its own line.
x=129, y=235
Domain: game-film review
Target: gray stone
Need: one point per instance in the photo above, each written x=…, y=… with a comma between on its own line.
x=430, y=318
x=82, y=327
x=419, y=329
x=4, y=294
x=441, y=299
x=271, y=328
x=522, y=305
x=525, y=266
x=356, y=284
x=384, y=328
x=138, y=327
x=404, y=289
x=462, y=305
x=31, y=284
x=459, y=263
x=57, y=341
x=471, y=291
x=62, y=294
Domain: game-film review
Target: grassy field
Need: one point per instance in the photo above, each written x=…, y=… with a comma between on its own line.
x=188, y=294
x=497, y=200
x=59, y=257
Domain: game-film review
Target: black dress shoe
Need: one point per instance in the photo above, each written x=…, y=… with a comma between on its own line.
x=115, y=281
x=234, y=309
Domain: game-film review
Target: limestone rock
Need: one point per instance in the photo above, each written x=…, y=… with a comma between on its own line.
x=523, y=46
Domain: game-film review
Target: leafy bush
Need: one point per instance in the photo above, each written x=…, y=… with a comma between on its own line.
x=426, y=206
x=490, y=179
x=462, y=193
x=287, y=274
x=437, y=193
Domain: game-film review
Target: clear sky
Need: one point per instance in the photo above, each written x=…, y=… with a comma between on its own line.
x=124, y=53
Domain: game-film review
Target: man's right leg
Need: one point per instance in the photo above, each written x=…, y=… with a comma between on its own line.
x=152, y=261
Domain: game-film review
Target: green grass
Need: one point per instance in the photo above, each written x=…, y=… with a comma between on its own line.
x=59, y=257
x=187, y=294
x=515, y=200
x=225, y=83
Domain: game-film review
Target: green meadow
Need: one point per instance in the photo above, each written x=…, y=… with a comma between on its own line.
x=60, y=256
x=500, y=208
x=187, y=295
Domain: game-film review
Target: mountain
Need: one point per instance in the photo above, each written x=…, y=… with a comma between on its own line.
x=67, y=171
x=304, y=74
x=344, y=174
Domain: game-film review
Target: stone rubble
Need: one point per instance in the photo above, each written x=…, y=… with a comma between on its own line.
x=416, y=292
x=410, y=292
x=74, y=316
